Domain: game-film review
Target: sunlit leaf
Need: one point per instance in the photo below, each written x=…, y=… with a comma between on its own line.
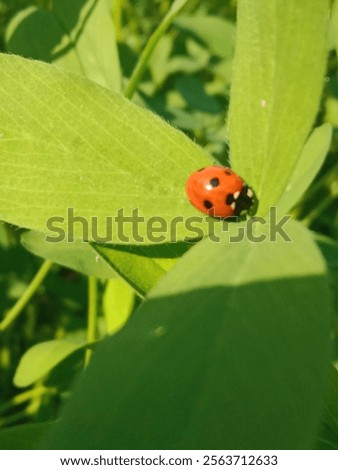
x=278, y=75
x=118, y=302
x=41, y=359
x=77, y=159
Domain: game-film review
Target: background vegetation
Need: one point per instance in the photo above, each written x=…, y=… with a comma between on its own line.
x=268, y=357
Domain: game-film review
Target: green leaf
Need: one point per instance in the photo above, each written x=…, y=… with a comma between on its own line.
x=232, y=341
x=118, y=303
x=82, y=151
x=24, y=436
x=41, y=359
x=308, y=165
x=274, y=94
x=196, y=59
x=141, y=267
x=78, y=36
x=216, y=33
x=80, y=256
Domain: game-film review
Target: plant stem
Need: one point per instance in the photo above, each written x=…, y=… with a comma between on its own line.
x=18, y=307
x=117, y=13
x=143, y=60
x=148, y=49
x=92, y=315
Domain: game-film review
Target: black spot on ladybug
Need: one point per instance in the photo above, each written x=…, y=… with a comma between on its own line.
x=214, y=182
x=229, y=199
x=207, y=204
x=227, y=172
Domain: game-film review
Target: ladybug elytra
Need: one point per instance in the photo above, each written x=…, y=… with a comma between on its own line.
x=220, y=192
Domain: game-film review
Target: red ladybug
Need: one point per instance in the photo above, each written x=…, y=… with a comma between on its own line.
x=219, y=191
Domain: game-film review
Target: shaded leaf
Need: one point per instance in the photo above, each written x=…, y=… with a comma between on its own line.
x=204, y=363
x=141, y=267
x=80, y=256
x=24, y=436
x=192, y=90
x=328, y=434
x=78, y=36
x=216, y=33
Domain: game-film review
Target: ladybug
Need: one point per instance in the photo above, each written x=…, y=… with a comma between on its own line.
x=219, y=191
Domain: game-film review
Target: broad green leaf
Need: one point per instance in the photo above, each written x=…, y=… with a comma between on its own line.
x=229, y=351
x=278, y=73
x=118, y=303
x=80, y=256
x=83, y=152
x=24, y=436
x=308, y=165
x=216, y=33
x=77, y=35
x=41, y=359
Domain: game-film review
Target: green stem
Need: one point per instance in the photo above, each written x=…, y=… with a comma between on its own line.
x=117, y=14
x=146, y=53
x=92, y=315
x=17, y=308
